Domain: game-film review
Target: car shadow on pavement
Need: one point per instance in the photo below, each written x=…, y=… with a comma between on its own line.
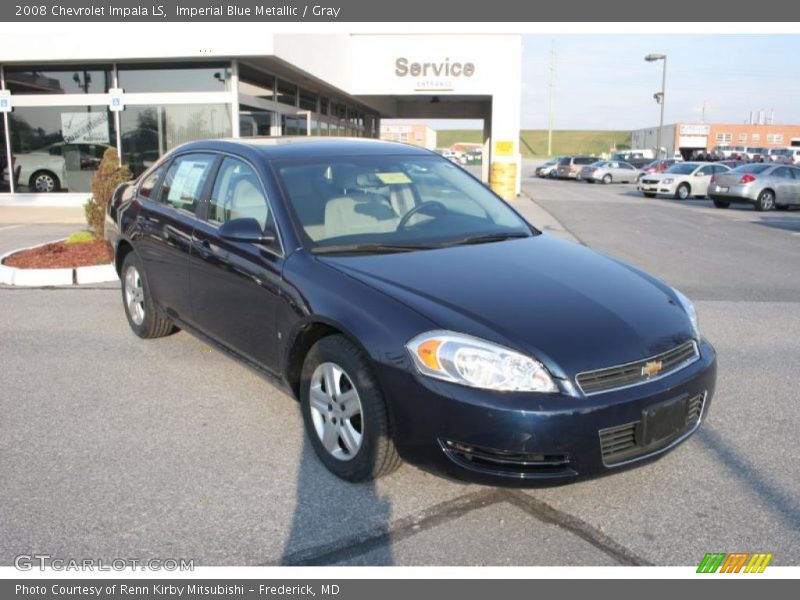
x=788, y=224
x=773, y=498
x=336, y=522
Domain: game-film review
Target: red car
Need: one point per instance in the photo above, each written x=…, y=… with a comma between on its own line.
x=657, y=166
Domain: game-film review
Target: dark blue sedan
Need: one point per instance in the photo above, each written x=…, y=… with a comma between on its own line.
x=411, y=311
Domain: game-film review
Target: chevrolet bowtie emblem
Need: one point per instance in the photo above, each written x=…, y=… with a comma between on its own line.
x=652, y=368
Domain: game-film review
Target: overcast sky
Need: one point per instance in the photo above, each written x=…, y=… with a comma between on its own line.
x=603, y=81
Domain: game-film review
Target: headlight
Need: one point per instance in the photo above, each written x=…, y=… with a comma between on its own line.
x=473, y=362
x=688, y=306
x=667, y=180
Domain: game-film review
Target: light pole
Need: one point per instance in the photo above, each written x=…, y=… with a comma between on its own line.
x=660, y=96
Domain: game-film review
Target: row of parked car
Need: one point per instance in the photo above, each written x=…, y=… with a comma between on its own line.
x=766, y=185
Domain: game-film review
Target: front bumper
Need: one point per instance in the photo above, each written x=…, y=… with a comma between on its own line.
x=656, y=188
x=525, y=439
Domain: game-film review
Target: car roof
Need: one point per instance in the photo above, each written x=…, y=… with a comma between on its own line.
x=308, y=146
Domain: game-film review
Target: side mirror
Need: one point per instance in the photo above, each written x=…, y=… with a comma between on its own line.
x=246, y=230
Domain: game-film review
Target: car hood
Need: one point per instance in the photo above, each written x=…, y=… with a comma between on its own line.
x=572, y=308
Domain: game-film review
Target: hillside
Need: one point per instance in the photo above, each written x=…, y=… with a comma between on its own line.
x=534, y=141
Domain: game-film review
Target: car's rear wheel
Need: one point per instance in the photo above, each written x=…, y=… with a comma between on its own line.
x=345, y=412
x=765, y=201
x=607, y=179
x=649, y=195
x=683, y=191
x=139, y=307
x=44, y=182
x=721, y=204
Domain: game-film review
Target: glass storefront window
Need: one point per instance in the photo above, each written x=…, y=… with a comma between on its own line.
x=254, y=121
x=323, y=105
x=308, y=100
x=204, y=77
x=256, y=83
x=293, y=125
x=287, y=93
x=150, y=131
x=69, y=79
x=59, y=148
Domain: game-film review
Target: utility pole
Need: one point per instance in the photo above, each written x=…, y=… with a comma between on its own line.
x=551, y=102
x=703, y=119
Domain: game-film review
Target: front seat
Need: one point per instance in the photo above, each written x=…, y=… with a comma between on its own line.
x=248, y=202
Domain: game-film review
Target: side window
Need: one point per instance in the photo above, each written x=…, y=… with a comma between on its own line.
x=184, y=181
x=706, y=170
x=237, y=194
x=149, y=182
x=720, y=169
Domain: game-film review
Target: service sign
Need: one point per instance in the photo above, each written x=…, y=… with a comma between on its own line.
x=695, y=129
x=85, y=127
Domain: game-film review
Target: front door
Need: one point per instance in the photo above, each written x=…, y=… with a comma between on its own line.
x=235, y=285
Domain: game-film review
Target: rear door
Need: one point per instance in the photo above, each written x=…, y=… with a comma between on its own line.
x=165, y=222
x=235, y=285
x=785, y=186
x=701, y=179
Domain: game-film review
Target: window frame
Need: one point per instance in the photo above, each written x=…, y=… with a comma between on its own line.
x=203, y=192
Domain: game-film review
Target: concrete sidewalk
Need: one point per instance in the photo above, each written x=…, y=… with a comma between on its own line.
x=30, y=215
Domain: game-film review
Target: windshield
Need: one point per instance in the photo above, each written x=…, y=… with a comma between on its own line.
x=392, y=203
x=682, y=169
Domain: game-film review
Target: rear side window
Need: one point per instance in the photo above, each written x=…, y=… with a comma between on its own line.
x=185, y=180
x=784, y=172
x=565, y=161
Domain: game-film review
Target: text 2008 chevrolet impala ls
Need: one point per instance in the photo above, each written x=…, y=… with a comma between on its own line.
x=412, y=312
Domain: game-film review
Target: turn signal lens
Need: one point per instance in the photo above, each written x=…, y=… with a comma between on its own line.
x=473, y=362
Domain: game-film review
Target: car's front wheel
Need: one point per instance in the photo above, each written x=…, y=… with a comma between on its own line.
x=765, y=201
x=139, y=307
x=345, y=412
x=44, y=182
x=683, y=191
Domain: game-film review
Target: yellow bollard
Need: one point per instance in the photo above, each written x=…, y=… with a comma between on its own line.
x=504, y=180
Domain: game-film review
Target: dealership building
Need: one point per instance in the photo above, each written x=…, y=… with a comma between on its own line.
x=687, y=138
x=67, y=93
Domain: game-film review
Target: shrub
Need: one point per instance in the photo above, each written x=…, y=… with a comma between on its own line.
x=108, y=176
x=80, y=237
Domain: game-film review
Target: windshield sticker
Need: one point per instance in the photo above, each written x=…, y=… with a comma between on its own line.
x=397, y=178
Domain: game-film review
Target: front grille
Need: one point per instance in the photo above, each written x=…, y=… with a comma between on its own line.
x=623, y=443
x=611, y=378
x=517, y=464
x=650, y=181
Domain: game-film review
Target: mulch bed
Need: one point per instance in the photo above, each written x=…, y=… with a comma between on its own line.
x=59, y=255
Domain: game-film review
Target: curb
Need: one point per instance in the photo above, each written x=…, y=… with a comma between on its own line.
x=544, y=220
x=54, y=277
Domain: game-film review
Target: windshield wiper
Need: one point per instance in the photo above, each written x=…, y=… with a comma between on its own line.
x=369, y=248
x=485, y=238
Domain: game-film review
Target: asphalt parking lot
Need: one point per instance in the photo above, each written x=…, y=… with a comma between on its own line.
x=117, y=447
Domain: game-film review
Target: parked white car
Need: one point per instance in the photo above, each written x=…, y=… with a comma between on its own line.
x=41, y=171
x=682, y=180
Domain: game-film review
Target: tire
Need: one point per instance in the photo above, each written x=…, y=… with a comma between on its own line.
x=371, y=453
x=606, y=179
x=649, y=195
x=683, y=191
x=44, y=182
x=765, y=201
x=721, y=204
x=140, y=309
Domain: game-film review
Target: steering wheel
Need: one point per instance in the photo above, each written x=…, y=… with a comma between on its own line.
x=440, y=208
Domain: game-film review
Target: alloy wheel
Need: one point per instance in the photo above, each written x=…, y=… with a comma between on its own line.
x=44, y=182
x=336, y=411
x=134, y=295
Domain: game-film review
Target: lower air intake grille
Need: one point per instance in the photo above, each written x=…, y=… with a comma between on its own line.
x=626, y=442
x=503, y=462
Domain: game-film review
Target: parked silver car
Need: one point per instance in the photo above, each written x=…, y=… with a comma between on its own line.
x=609, y=171
x=764, y=185
x=682, y=180
x=549, y=168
